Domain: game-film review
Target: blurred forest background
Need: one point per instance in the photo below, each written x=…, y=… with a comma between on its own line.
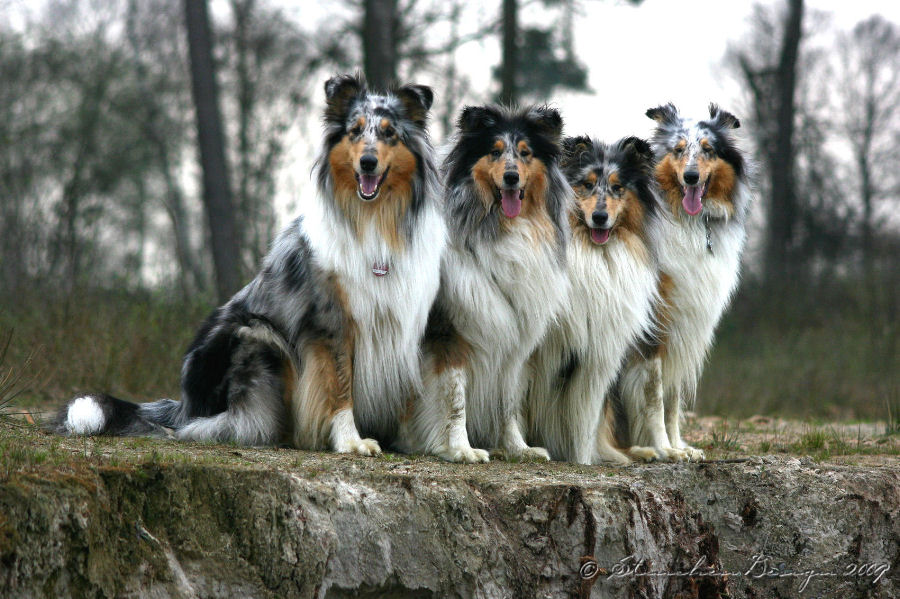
x=143, y=146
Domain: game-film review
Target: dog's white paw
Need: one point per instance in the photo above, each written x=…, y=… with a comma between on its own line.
x=525, y=454
x=614, y=458
x=693, y=454
x=672, y=454
x=535, y=454
x=366, y=447
x=463, y=455
x=644, y=454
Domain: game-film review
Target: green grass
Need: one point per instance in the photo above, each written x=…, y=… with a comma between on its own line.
x=823, y=355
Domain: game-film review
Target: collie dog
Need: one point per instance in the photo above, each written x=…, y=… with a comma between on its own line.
x=324, y=343
x=612, y=276
x=503, y=282
x=703, y=179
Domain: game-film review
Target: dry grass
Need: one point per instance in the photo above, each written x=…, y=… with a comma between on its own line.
x=128, y=344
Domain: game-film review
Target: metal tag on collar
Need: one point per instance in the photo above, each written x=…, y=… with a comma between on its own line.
x=380, y=270
x=708, y=235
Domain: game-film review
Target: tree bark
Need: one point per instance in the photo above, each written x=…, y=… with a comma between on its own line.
x=783, y=199
x=380, y=42
x=216, y=183
x=508, y=68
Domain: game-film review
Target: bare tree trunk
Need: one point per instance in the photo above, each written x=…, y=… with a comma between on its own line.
x=783, y=198
x=216, y=184
x=380, y=42
x=508, y=68
x=246, y=206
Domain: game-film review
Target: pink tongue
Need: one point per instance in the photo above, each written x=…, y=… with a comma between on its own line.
x=600, y=236
x=368, y=183
x=691, y=202
x=510, y=202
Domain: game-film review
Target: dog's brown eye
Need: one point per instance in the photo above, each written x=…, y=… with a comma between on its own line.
x=617, y=189
x=356, y=130
x=678, y=151
x=496, y=153
x=389, y=132
x=708, y=151
x=524, y=153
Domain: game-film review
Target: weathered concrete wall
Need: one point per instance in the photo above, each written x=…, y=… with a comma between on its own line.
x=328, y=526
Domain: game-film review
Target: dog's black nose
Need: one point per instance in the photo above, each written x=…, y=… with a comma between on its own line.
x=511, y=177
x=368, y=162
x=691, y=177
x=600, y=217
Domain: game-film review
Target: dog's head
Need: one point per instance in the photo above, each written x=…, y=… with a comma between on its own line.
x=506, y=154
x=699, y=164
x=374, y=141
x=612, y=185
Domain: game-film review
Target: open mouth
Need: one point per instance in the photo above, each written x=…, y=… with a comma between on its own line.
x=370, y=185
x=600, y=236
x=693, y=198
x=511, y=201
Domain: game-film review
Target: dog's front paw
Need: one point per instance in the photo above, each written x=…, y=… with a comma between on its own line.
x=463, y=455
x=366, y=447
x=535, y=454
x=672, y=454
x=525, y=454
x=643, y=454
x=693, y=454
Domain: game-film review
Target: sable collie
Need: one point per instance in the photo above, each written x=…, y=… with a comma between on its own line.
x=612, y=276
x=703, y=178
x=324, y=343
x=503, y=282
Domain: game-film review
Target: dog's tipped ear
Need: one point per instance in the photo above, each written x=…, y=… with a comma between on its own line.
x=417, y=99
x=339, y=91
x=637, y=148
x=475, y=118
x=574, y=148
x=547, y=120
x=638, y=153
x=667, y=113
x=723, y=118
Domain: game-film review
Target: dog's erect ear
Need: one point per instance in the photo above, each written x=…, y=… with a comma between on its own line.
x=666, y=113
x=547, y=120
x=417, y=100
x=475, y=118
x=575, y=149
x=723, y=118
x=339, y=92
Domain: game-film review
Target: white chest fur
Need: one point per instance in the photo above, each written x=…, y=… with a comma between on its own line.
x=612, y=294
x=703, y=282
x=502, y=297
x=390, y=311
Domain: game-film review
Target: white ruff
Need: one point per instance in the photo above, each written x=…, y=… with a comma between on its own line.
x=612, y=290
x=704, y=282
x=390, y=312
x=502, y=298
x=84, y=417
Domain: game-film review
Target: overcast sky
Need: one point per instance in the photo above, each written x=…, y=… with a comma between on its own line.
x=638, y=56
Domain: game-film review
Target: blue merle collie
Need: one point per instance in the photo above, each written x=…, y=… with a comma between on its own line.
x=322, y=347
x=503, y=281
x=704, y=181
x=612, y=273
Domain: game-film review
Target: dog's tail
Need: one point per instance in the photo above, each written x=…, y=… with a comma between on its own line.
x=102, y=414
